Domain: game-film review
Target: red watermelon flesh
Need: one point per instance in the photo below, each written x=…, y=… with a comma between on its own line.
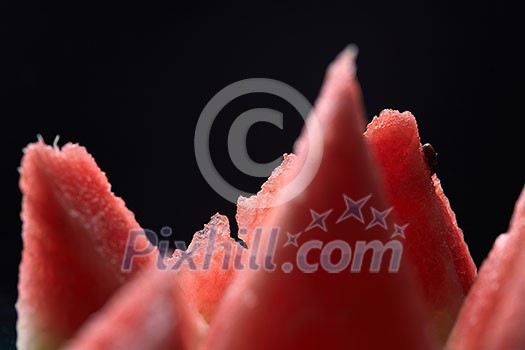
x=493, y=315
x=151, y=312
x=252, y=211
x=74, y=234
x=205, y=277
x=373, y=310
x=433, y=239
x=215, y=255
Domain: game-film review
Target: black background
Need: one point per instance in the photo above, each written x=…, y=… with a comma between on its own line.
x=129, y=82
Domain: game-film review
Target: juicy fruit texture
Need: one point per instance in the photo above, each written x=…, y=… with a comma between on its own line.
x=252, y=211
x=493, y=315
x=434, y=241
x=321, y=309
x=75, y=231
x=148, y=313
x=213, y=257
x=74, y=234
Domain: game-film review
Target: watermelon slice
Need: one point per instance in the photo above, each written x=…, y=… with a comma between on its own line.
x=74, y=233
x=205, y=270
x=288, y=308
x=433, y=239
x=493, y=316
x=150, y=312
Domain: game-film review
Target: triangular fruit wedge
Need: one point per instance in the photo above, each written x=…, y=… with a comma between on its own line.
x=206, y=268
x=434, y=241
x=318, y=297
x=150, y=312
x=74, y=233
x=493, y=315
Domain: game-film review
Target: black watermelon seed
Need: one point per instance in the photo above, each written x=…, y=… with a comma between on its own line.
x=431, y=156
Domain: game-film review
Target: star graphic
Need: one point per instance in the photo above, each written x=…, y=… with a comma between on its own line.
x=379, y=218
x=292, y=239
x=353, y=208
x=318, y=220
x=399, y=231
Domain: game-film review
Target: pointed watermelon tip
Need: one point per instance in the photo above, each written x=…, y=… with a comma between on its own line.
x=352, y=51
x=344, y=64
